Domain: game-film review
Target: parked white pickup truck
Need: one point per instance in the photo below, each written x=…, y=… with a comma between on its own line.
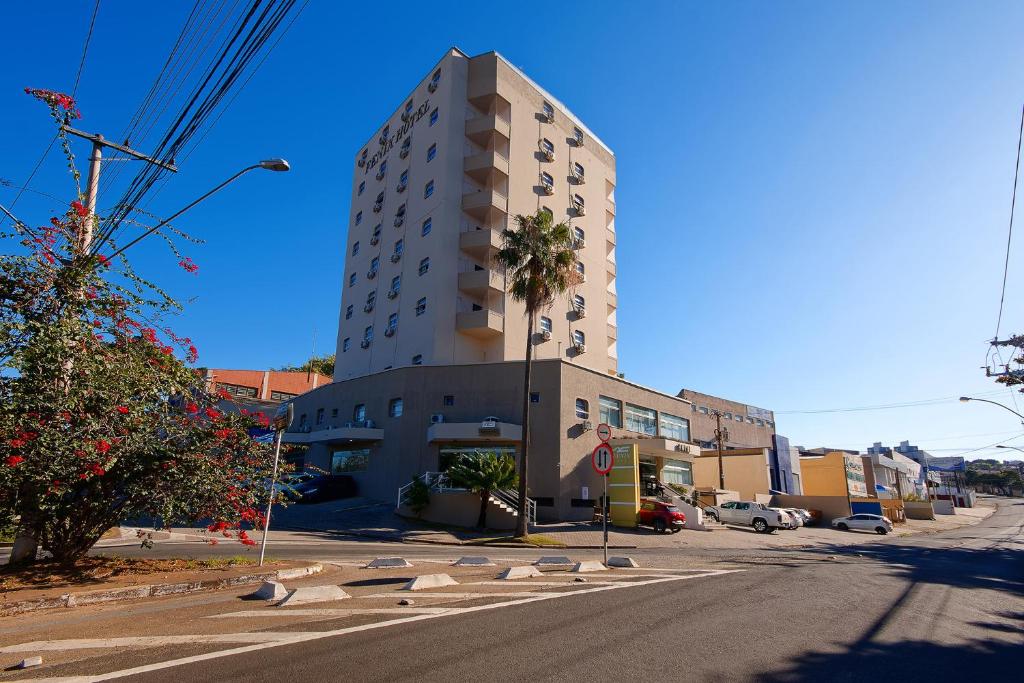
x=748, y=513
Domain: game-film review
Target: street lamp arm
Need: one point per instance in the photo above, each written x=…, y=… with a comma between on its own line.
x=965, y=399
x=187, y=207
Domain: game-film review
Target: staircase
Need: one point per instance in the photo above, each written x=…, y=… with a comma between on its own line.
x=700, y=522
x=507, y=501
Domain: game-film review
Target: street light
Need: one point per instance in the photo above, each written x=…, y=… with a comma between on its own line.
x=278, y=165
x=965, y=399
x=1012, y=447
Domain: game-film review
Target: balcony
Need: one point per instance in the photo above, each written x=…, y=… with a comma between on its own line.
x=478, y=283
x=613, y=300
x=502, y=432
x=485, y=205
x=482, y=128
x=347, y=434
x=481, y=166
x=610, y=236
x=482, y=324
x=610, y=206
x=480, y=244
x=611, y=268
x=613, y=332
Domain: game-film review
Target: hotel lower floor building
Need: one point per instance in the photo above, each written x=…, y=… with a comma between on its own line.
x=385, y=428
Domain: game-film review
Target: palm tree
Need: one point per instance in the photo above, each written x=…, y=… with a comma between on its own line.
x=540, y=265
x=482, y=473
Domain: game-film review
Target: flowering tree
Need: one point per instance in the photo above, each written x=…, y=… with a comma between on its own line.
x=100, y=419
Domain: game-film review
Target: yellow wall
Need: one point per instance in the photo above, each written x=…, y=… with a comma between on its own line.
x=746, y=471
x=624, y=486
x=824, y=476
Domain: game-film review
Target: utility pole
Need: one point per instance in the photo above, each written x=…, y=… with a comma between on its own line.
x=721, y=435
x=93, y=183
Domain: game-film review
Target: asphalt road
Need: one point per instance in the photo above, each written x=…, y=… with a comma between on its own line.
x=937, y=607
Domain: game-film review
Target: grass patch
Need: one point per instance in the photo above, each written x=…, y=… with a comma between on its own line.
x=529, y=541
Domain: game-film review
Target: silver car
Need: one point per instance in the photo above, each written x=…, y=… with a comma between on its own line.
x=866, y=522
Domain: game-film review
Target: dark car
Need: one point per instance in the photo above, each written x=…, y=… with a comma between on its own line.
x=323, y=487
x=662, y=516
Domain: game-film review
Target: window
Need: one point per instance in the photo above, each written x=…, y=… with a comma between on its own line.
x=355, y=460
x=383, y=169
x=750, y=420
x=346, y=345
x=578, y=135
x=334, y=412
x=547, y=180
x=738, y=417
x=703, y=410
x=549, y=111
x=359, y=412
x=368, y=333
x=421, y=306
x=727, y=416
x=611, y=411
x=359, y=217
x=534, y=397
x=362, y=186
x=320, y=416
x=238, y=390
x=577, y=202
x=545, y=323
x=355, y=248
x=408, y=107
x=577, y=168
x=351, y=279
x=417, y=359
x=426, y=227
x=348, y=311
x=760, y=422
x=582, y=409
x=579, y=303
x=281, y=396
x=428, y=189
x=376, y=233
x=433, y=116
x=640, y=419
x=579, y=338
x=424, y=266
x=580, y=268
x=547, y=146
x=404, y=178
x=431, y=152
x=399, y=247
x=395, y=407
x=449, y=400
x=396, y=283
x=677, y=472
x=375, y=264
x=436, y=77
x=579, y=234
x=371, y=298
x=393, y=321
x=387, y=130
x=673, y=427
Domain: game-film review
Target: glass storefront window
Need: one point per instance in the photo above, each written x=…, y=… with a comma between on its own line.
x=677, y=472
x=642, y=420
x=674, y=427
x=448, y=455
x=611, y=411
x=352, y=460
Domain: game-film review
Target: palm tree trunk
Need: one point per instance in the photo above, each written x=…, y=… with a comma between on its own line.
x=521, y=521
x=484, y=498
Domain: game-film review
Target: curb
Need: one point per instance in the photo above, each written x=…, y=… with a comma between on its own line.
x=470, y=542
x=154, y=590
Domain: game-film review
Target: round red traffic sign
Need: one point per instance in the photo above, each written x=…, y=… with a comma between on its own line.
x=602, y=459
x=604, y=432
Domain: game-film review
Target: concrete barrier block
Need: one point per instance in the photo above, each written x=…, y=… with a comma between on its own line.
x=589, y=566
x=553, y=561
x=519, y=573
x=297, y=572
x=622, y=562
x=473, y=562
x=307, y=594
x=429, y=581
x=30, y=661
x=388, y=562
x=270, y=590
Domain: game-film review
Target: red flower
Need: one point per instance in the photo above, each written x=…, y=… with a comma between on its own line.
x=97, y=323
x=223, y=433
x=80, y=209
x=96, y=469
x=103, y=260
x=213, y=541
x=102, y=446
x=188, y=265
x=212, y=413
x=13, y=460
x=193, y=354
x=217, y=526
x=17, y=443
x=167, y=350
x=248, y=541
x=191, y=408
x=123, y=410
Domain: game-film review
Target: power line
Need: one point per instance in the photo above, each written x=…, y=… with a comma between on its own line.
x=882, y=406
x=1009, y=235
x=85, y=48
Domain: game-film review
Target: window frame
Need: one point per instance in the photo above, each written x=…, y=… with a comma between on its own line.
x=431, y=152
x=396, y=407
x=428, y=189
x=421, y=306
x=584, y=412
x=605, y=411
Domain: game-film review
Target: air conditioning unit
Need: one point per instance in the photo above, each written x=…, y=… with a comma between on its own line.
x=580, y=348
x=548, y=189
x=392, y=293
x=579, y=243
x=380, y=174
x=436, y=419
x=374, y=240
x=587, y=425
x=369, y=424
x=389, y=332
x=401, y=210
x=489, y=425
x=365, y=344
x=361, y=163
x=583, y=277
x=579, y=141
x=545, y=335
x=580, y=179
x=367, y=308
x=548, y=155
x=377, y=208
x=548, y=116
x=581, y=313
x=581, y=210
x=398, y=221
x=370, y=274
x=432, y=86
x=395, y=258
x=404, y=152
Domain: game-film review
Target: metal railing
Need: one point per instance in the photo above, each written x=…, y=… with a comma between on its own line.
x=511, y=499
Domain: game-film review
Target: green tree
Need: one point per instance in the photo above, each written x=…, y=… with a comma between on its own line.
x=540, y=264
x=100, y=419
x=483, y=473
x=323, y=365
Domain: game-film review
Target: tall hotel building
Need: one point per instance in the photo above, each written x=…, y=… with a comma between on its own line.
x=430, y=345
x=474, y=144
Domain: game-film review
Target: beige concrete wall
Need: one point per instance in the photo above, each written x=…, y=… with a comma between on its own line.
x=742, y=434
x=746, y=472
x=918, y=510
x=830, y=506
x=461, y=508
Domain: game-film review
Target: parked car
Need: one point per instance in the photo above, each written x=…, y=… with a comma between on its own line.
x=877, y=523
x=287, y=484
x=798, y=516
x=662, y=516
x=748, y=513
x=815, y=517
x=324, y=487
x=791, y=520
x=808, y=518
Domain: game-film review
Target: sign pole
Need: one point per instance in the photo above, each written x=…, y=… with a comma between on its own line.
x=270, y=503
x=604, y=518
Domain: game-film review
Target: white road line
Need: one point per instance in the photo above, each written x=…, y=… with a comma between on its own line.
x=142, y=641
x=307, y=636
x=327, y=612
x=568, y=582
x=405, y=594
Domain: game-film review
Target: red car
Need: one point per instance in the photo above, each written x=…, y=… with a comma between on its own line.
x=662, y=516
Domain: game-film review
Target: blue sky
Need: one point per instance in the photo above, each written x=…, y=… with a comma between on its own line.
x=812, y=199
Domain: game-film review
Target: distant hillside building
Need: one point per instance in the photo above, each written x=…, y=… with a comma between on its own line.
x=263, y=386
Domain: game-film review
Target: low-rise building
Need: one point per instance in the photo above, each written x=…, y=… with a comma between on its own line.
x=747, y=471
x=273, y=386
x=748, y=426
